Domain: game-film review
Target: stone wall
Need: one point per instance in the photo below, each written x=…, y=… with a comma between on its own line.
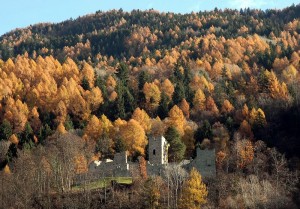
x=117, y=167
x=205, y=163
x=158, y=151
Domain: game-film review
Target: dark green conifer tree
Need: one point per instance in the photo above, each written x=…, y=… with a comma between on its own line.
x=177, y=147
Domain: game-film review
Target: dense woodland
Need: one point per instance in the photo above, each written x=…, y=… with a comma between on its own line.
x=87, y=88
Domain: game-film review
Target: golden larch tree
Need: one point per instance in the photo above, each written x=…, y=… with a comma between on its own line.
x=194, y=192
x=168, y=88
x=14, y=139
x=176, y=119
x=93, y=130
x=70, y=69
x=257, y=117
x=110, y=83
x=143, y=118
x=88, y=73
x=61, y=129
x=245, y=152
x=60, y=112
x=34, y=119
x=17, y=113
x=227, y=107
x=290, y=73
x=211, y=106
x=199, y=100
x=273, y=84
x=7, y=169
x=94, y=98
x=185, y=107
x=152, y=95
x=106, y=124
x=134, y=137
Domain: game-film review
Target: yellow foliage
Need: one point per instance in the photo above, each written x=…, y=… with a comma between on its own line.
x=194, y=192
x=134, y=137
x=152, y=95
x=176, y=119
x=61, y=129
x=290, y=73
x=168, y=88
x=88, y=73
x=257, y=117
x=199, y=100
x=93, y=130
x=185, y=107
x=113, y=96
x=245, y=152
x=111, y=82
x=70, y=69
x=17, y=113
x=60, y=112
x=143, y=118
x=227, y=107
x=94, y=98
x=107, y=125
x=252, y=115
x=7, y=170
x=199, y=62
x=34, y=119
x=14, y=139
x=119, y=122
x=273, y=84
x=211, y=106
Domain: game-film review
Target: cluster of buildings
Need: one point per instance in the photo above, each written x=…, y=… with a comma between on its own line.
x=204, y=162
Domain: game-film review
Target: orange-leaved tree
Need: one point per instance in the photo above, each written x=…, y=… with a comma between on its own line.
x=168, y=88
x=199, y=100
x=134, y=137
x=143, y=118
x=176, y=119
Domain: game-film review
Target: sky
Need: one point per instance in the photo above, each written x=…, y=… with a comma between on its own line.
x=22, y=13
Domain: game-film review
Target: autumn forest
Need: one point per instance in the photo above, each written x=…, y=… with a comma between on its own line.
x=85, y=89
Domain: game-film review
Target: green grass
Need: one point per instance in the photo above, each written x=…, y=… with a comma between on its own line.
x=101, y=183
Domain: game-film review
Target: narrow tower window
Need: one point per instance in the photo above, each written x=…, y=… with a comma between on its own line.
x=154, y=152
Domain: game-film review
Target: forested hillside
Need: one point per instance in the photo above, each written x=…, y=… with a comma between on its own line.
x=222, y=79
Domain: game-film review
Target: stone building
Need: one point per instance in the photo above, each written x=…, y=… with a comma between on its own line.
x=158, y=151
x=119, y=166
x=204, y=162
x=158, y=155
x=158, y=161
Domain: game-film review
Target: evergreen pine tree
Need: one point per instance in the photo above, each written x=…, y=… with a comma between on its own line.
x=179, y=93
x=177, y=147
x=5, y=130
x=163, y=108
